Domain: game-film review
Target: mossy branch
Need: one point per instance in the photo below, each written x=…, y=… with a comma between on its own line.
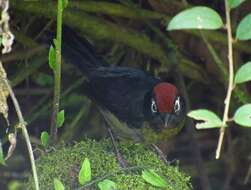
x=115, y=9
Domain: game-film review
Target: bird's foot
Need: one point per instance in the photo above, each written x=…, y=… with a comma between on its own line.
x=122, y=162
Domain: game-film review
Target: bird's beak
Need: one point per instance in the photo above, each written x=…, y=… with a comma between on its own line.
x=166, y=118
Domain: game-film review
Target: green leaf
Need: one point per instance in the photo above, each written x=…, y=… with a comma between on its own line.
x=15, y=185
x=107, y=185
x=84, y=175
x=196, y=18
x=2, y=160
x=65, y=3
x=243, y=74
x=52, y=58
x=44, y=138
x=154, y=179
x=209, y=118
x=60, y=119
x=243, y=31
x=242, y=115
x=55, y=42
x=58, y=185
x=235, y=3
x=43, y=79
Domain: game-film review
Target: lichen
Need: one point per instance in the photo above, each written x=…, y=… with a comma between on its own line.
x=64, y=164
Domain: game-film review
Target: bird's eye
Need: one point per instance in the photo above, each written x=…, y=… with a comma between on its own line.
x=153, y=106
x=177, y=105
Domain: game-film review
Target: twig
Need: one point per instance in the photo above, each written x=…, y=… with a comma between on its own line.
x=57, y=73
x=43, y=105
x=230, y=80
x=6, y=42
x=20, y=55
x=219, y=63
x=248, y=175
x=22, y=125
x=44, y=29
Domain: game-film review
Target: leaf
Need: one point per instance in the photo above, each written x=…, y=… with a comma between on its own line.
x=55, y=42
x=154, y=179
x=243, y=31
x=12, y=137
x=60, y=119
x=84, y=175
x=43, y=79
x=107, y=185
x=65, y=3
x=196, y=18
x=243, y=74
x=235, y=3
x=58, y=185
x=15, y=185
x=209, y=118
x=52, y=58
x=242, y=115
x=2, y=160
x=44, y=138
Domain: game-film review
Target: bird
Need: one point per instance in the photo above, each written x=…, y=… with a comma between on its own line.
x=132, y=95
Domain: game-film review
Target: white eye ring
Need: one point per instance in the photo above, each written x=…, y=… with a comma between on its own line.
x=177, y=105
x=153, y=106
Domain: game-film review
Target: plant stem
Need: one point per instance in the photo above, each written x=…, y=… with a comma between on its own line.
x=22, y=125
x=57, y=73
x=230, y=80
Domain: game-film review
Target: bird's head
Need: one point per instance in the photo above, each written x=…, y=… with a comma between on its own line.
x=166, y=107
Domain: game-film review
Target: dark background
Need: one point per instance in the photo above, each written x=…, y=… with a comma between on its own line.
x=116, y=38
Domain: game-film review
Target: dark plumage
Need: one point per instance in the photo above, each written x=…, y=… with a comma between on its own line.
x=130, y=94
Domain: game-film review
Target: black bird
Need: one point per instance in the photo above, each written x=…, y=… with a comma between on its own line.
x=132, y=95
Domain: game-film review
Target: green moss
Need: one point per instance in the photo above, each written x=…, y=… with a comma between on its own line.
x=64, y=164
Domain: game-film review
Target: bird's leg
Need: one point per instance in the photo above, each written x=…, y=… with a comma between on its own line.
x=122, y=162
x=161, y=155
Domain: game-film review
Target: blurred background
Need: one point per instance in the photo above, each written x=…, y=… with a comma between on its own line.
x=129, y=33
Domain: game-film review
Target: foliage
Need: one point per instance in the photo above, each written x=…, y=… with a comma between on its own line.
x=104, y=163
x=243, y=30
x=205, y=18
x=60, y=119
x=2, y=160
x=211, y=120
x=84, y=175
x=153, y=178
x=44, y=138
x=106, y=185
x=58, y=184
x=196, y=18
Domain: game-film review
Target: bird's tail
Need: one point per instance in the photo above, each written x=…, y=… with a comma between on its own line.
x=79, y=52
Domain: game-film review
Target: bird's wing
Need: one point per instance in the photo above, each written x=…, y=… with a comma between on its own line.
x=121, y=90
